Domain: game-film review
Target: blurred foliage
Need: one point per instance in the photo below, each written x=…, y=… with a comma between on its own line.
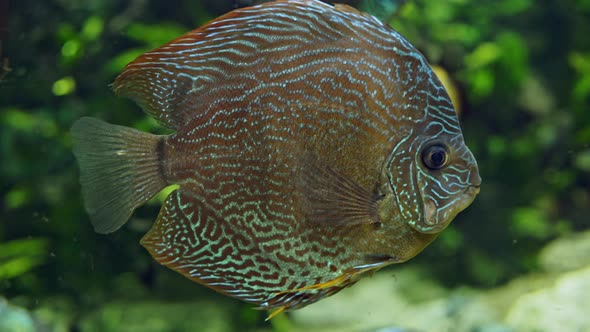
x=19, y=256
x=522, y=74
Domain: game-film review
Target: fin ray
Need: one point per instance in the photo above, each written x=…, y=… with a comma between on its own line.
x=334, y=199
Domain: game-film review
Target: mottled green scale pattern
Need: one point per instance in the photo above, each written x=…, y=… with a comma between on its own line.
x=299, y=130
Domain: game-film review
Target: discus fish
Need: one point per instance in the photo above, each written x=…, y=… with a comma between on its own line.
x=312, y=145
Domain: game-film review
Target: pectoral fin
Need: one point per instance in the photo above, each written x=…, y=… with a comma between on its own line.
x=333, y=198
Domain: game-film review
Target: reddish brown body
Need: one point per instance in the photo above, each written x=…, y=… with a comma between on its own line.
x=312, y=144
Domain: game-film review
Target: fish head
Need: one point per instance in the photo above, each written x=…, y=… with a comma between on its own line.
x=430, y=171
x=447, y=180
x=432, y=178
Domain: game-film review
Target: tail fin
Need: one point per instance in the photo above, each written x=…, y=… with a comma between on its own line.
x=119, y=170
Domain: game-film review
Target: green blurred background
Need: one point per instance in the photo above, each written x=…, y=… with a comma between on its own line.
x=519, y=71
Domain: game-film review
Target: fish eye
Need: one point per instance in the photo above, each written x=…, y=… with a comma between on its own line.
x=435, y=157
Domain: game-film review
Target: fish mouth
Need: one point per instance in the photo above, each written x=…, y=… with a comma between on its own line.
x=436, y=219
x=467, y=198
x=472, y=190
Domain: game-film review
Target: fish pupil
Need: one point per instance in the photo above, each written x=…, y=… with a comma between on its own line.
x=435, y=157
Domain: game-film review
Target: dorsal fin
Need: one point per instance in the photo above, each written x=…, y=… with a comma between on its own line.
x=172, y=82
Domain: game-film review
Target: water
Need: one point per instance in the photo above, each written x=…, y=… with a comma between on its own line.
x=515, y=260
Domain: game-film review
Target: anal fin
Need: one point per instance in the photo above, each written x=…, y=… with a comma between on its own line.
x=190, y=238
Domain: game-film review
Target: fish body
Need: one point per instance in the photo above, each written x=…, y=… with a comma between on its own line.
x=312, y=145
